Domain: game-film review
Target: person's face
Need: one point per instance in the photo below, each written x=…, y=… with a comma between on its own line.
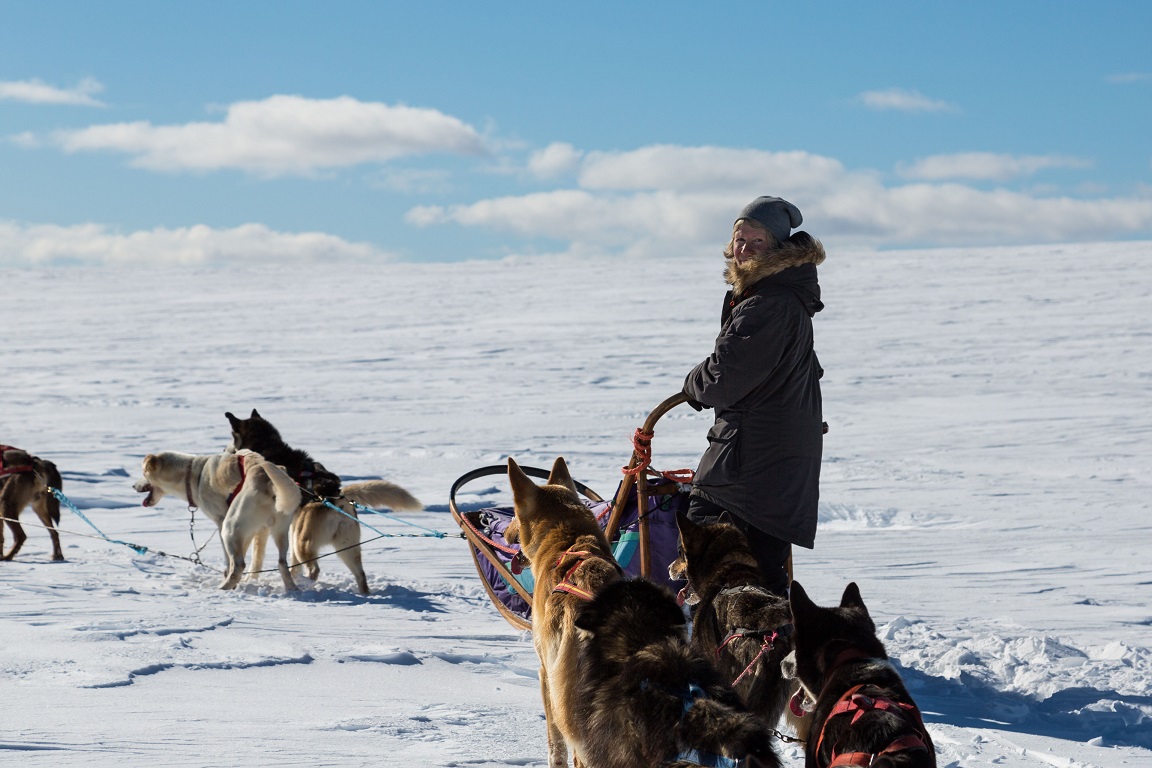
x=749, y=242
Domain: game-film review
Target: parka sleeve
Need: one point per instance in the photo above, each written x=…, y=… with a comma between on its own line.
x=747, y=352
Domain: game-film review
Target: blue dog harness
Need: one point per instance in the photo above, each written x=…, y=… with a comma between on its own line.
x=689, y=695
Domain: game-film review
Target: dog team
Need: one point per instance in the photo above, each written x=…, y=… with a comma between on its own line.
x=624, y=682
x=626, y=685
x=258, y=487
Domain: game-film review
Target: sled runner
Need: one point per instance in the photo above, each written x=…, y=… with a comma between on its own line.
x=644, y=544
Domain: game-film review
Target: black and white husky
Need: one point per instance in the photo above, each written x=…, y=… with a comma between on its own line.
x=318, y=524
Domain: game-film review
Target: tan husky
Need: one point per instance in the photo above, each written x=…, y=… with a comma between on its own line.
x=245, y=495
x=318, y=525
x=571, y=561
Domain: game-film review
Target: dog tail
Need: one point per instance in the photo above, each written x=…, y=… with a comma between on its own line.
x=51, y=477
x=285, y=489
x=382, y=493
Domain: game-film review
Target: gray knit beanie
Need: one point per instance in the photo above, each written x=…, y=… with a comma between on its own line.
x=775, y=214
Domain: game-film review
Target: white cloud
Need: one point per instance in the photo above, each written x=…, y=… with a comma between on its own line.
x=985, y=165
x=196, y=245
x=679, y=200
x=27, y=140
x=556, y=159
x=36, y=92
x=607, y=220
x=283, y=135
x=955, y=214
x=1124, y=78
x=901, y=100
x=667, y=167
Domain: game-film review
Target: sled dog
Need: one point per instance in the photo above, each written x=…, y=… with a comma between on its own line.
x=571, y=561
x=735, y=620
x=861, y=711
x=24, y=481
x=257, y=434
x=246, y=496
x=318, y=525
x=646, y=696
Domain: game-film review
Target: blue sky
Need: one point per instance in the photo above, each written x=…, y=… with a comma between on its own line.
x=222, y=131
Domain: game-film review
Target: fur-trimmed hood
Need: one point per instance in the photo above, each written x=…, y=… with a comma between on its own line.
x=796, y=251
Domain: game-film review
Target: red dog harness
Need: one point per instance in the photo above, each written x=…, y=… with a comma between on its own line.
x=582, y=556
x=566, y=584
x=236, y=490
x=856, y=704
x=13, y=470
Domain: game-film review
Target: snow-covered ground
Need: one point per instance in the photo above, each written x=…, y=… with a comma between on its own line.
x=986, y=482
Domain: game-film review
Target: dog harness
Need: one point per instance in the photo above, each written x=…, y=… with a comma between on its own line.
x=236, y=490
x=767, y=637
x=566, y=584
x=855, y=703
x=689, y=695
x=227, y=502
x=17, y=469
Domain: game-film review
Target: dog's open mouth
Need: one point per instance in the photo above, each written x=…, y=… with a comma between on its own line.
x=801, y=702
x=687, y=595
x=145, y=487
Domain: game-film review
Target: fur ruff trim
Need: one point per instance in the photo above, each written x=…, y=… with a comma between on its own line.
x=798, y=250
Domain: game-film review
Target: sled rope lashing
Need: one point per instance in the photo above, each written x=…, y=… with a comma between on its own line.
x=642, y=461
x=635, y=475
x=856, y=704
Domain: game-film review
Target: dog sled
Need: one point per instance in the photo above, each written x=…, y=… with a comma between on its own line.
x=644, y=542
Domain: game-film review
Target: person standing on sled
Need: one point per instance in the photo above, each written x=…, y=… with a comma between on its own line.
x=761, y=470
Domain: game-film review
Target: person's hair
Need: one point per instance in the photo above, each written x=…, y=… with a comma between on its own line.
x=772, y=241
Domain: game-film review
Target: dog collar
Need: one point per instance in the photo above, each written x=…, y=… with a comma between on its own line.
x=15, y=470
x=188, y=487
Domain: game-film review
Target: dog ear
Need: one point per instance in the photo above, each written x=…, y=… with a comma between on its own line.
x=799, y=601
x=523, y=489
x=684, y=523
x=560, y=475
x=255, y=415
x=851, y=597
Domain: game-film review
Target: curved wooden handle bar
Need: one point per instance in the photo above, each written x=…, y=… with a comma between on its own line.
x=641, y=482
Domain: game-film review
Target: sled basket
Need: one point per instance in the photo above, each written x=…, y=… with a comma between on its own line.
x=643, y=544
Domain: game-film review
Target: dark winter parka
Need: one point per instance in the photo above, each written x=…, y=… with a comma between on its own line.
x=763, y=458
